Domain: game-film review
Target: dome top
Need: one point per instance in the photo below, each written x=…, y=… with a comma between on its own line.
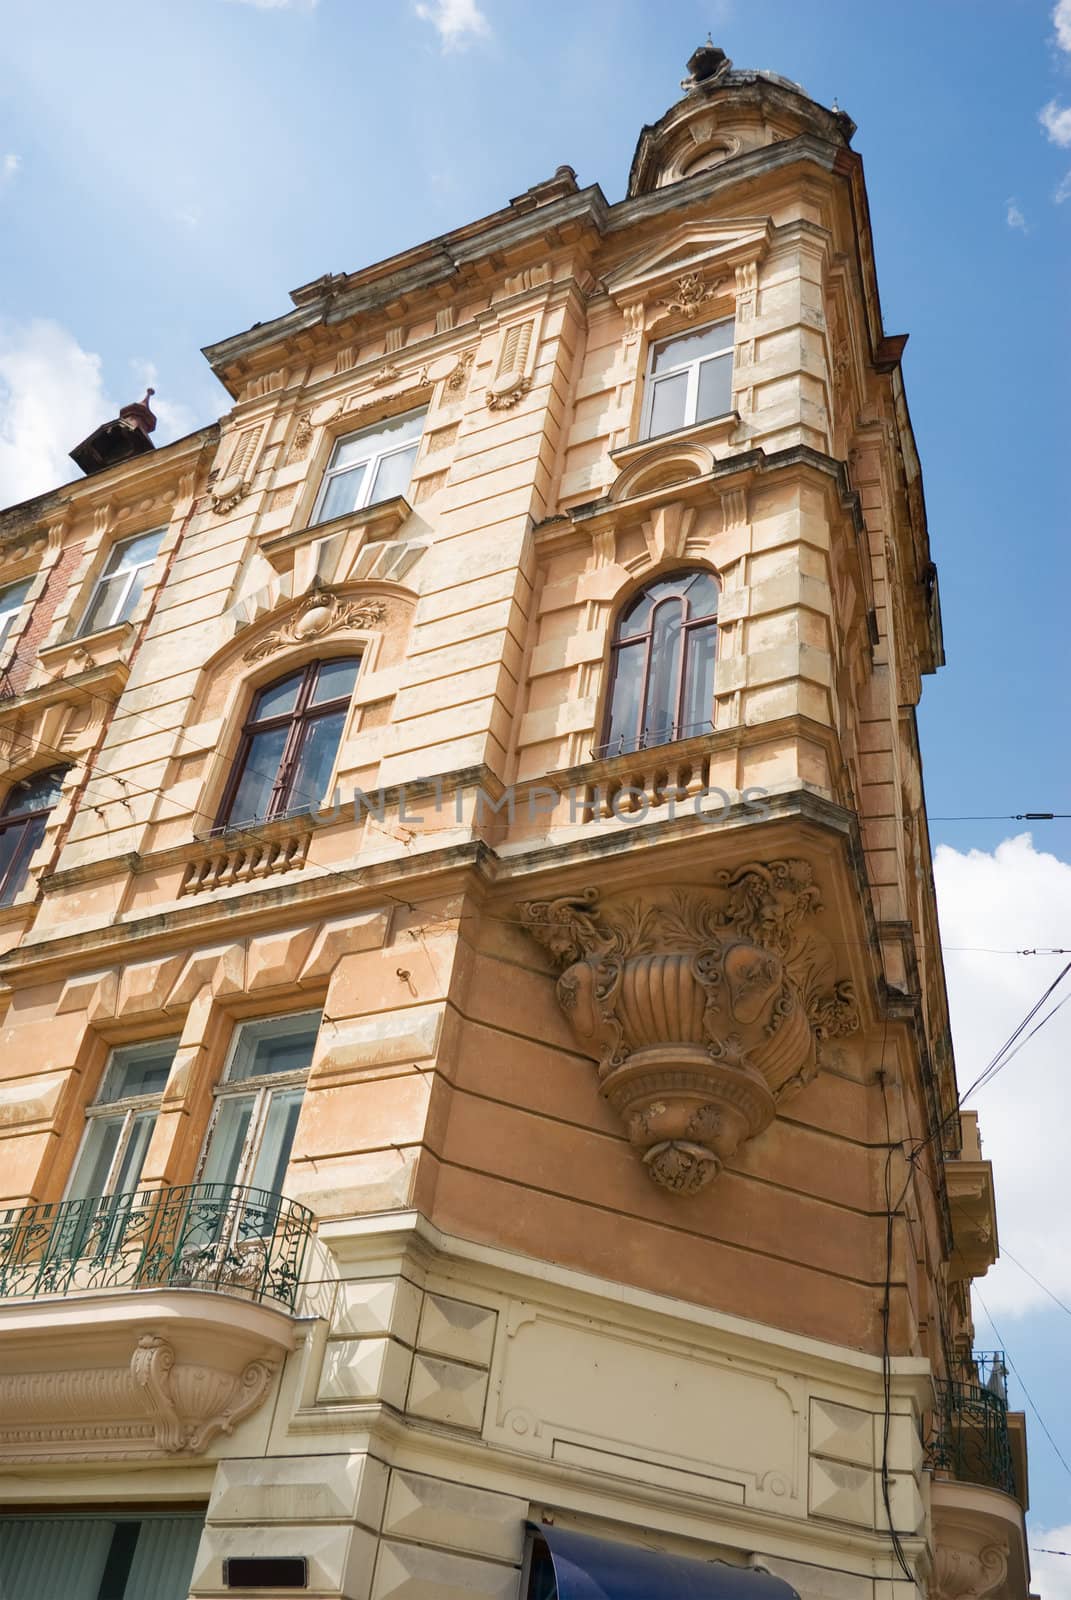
x=724, y=112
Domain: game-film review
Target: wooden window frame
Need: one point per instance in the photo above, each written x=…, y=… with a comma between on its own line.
x=299, y=720
x=689, y=627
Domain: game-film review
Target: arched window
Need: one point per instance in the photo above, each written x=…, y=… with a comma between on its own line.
x=289, y=743
x=22, y=826
x=662, y=663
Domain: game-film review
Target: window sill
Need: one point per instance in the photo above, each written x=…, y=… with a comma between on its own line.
x=103, y=643
x=379, y=521
x=714, y=430
x=95, y=665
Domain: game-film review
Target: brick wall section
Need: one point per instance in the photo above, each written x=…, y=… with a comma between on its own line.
x=44, y=610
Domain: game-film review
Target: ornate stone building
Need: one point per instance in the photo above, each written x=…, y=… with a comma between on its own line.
x=476, y=1100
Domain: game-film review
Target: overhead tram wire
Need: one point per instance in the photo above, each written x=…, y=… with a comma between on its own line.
x=1026, y=1392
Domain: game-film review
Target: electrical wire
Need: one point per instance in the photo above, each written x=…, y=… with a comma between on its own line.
x=1055, y=1298
x=1013, y=816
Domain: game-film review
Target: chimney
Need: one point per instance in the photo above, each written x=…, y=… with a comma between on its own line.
x=126, y=436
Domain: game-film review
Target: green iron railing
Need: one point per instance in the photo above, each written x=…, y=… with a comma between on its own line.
x=203, y=1236
x=969, y=1437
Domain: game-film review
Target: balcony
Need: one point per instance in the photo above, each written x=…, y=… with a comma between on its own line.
x=970, y=1440
x=977, y=1455
x=207, y=1236
x=144, y=1325
x=971, y=1201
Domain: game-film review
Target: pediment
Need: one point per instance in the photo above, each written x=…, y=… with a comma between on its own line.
x=703, y=247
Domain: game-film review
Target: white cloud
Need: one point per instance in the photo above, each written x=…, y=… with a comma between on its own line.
x=52, y=394
x=1050, y=1575
x=1015, y=218
x=9, y=165
x=1061, y=21
x=1017, y=897
x=1056, y=120
x=1062, y=191
x=458, y=22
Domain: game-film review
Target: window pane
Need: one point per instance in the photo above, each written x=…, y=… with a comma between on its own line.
x=98, y=1152
x=335, y=680
x=253, y=795
x=697, y=713
x=394, y=474
x=277, y=1044
x=636, y=618
x=343, y=494
x=228, y=1137
x=277, y=1140
x=660, y=711
x=13, y=595
x=715, y=388
x=11, y=602
x=315, y=761
x=129, y=1175
x=278, y=699
x=103, y=608
x=137, y=1069
x=35, y=794
x=135, y=552
x=623, y=728
x=17, y=845
x=701, y=589
x=386, y=435
x=691, y=346
x=132, y=596
x=667, y=404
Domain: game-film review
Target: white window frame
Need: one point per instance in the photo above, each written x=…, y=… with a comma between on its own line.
x=105, y=576
x=9, y=613
x=371, y=462
x=261, y=1096
x=127, y=1109
x=691, y=404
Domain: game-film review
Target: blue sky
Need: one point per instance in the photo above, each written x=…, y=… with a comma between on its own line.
x=169, y=169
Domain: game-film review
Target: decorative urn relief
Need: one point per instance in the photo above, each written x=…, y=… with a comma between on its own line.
x=707, y=1007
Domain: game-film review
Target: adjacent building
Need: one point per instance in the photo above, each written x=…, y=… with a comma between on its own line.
x=476, y=1100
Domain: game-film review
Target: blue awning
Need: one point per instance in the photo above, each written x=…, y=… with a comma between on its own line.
x=601, y=1569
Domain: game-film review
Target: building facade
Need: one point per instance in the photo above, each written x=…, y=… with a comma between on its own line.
x=476, y=1098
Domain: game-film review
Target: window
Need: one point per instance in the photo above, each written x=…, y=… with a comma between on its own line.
x=289, y=743
x=93, y=1557
x=121, y=1121
x=258, y=1103
x=118, y=589
x=662, y=663
x=689, y=379
x=22, y=827
x=375, y=464
x=12, y=598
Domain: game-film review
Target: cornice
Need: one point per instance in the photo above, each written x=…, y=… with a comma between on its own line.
x=89, y=492
x=472, y=866
x=441, y=259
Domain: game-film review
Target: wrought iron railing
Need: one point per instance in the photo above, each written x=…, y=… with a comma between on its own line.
x=969, y=1436
x=204, y=1236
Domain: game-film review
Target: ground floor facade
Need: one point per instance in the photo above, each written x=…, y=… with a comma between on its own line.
x=432, y=1406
